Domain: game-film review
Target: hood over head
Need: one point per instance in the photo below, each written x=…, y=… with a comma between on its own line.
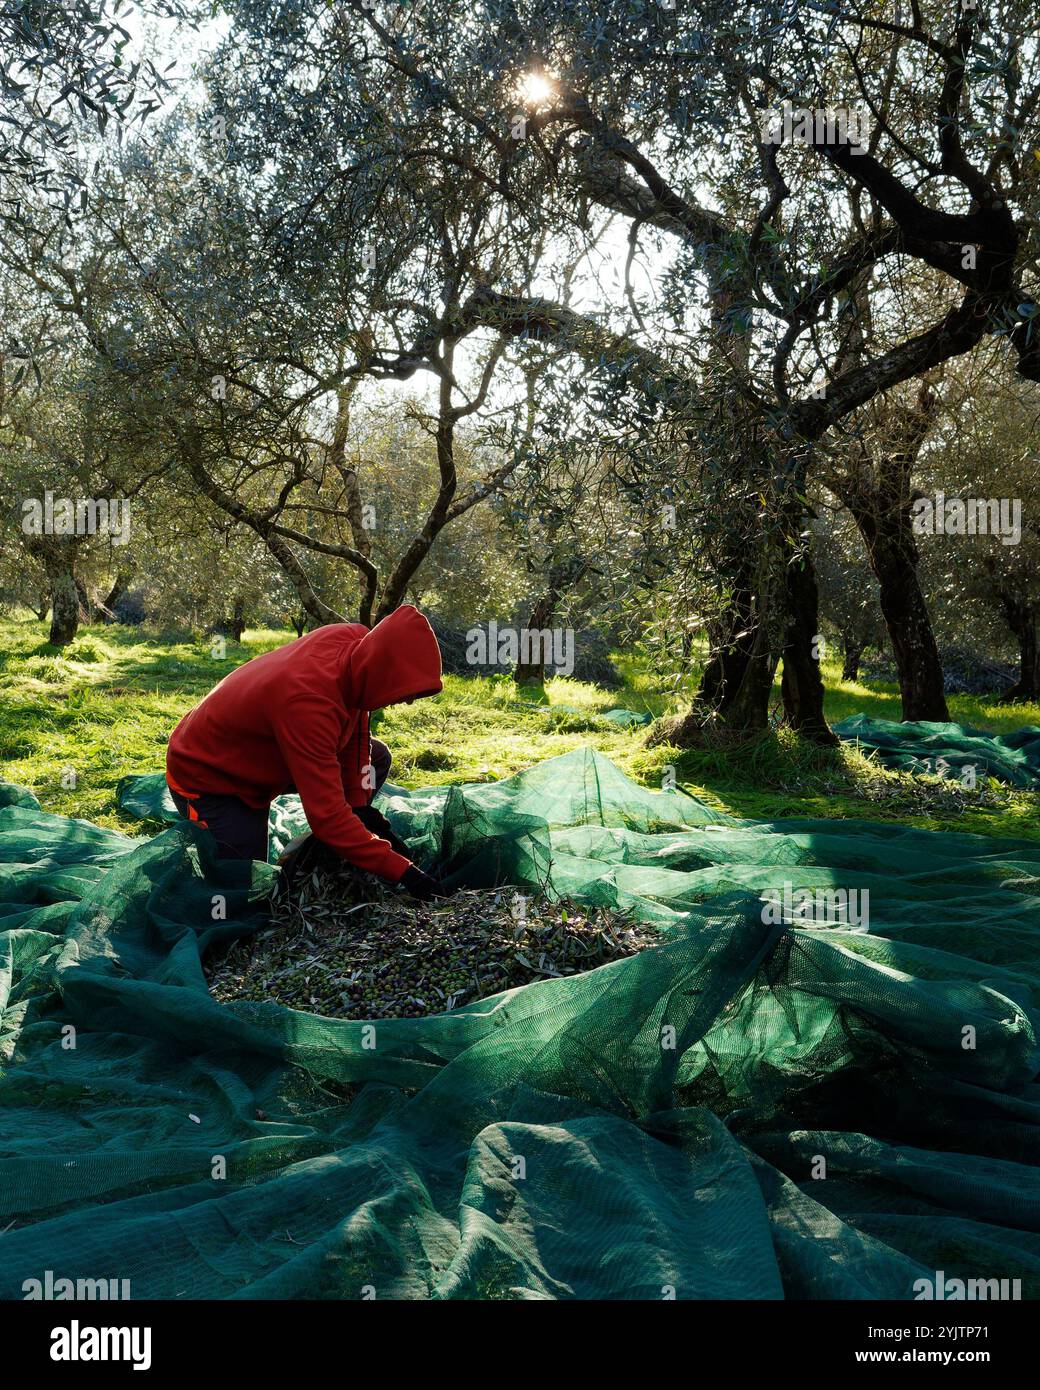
x=399, y=659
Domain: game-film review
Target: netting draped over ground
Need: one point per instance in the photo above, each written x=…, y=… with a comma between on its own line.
x=946, y=750
x=752, y=1109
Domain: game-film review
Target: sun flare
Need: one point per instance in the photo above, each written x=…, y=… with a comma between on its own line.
x=536, y=89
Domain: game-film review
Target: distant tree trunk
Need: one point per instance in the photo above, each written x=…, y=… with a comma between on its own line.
x=1022, y=620
x=64, y=611
x=732, y=643
x=772, y=615
x=562, y=578
x=238, y=620
x=893, y=558
x=852, y=655
x=86, y=603
x=532, y=670
x=43, y=607
x=921, y=684
x=300, y=624
x=57, y=556
x=738, y=678
x=118, y=589
x=802, y=684
x=881, y=510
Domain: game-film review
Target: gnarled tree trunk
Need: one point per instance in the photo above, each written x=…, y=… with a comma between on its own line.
x=880, y=507
x=801, y=684
x=57, y=555
x=772, y=616
x=64, y=610
x=893, y=558
x=119, y=587
x=732, y=647
x=1021, y=618
x=87, y=606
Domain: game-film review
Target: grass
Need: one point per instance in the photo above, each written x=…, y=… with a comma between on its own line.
x=73, y=722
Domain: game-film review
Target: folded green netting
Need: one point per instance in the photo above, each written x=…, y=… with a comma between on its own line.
x=758, y=1107
x=948, y=750
x=624, y=718
x=629, y=718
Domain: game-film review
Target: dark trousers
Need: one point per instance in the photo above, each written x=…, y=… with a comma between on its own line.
x=240, y=830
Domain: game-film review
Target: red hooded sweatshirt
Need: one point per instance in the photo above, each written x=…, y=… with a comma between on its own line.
x=298, y=717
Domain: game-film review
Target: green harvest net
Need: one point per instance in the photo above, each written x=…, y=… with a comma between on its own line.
x=625, y=718
x=946, y=750
x=751, y=1109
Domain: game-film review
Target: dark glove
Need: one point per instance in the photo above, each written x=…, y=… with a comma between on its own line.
x=375, y=821
x=422, y=886
x=301, y=857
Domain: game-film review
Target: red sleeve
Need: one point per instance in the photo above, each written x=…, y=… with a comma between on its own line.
x=354, y=760
x=308, y=733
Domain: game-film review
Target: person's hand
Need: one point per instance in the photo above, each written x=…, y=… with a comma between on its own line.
x=307, y=853
x=423, y=886
x=375, y=821
x=302, y=856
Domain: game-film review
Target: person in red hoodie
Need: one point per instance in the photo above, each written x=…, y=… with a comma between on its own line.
x=297, y=719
